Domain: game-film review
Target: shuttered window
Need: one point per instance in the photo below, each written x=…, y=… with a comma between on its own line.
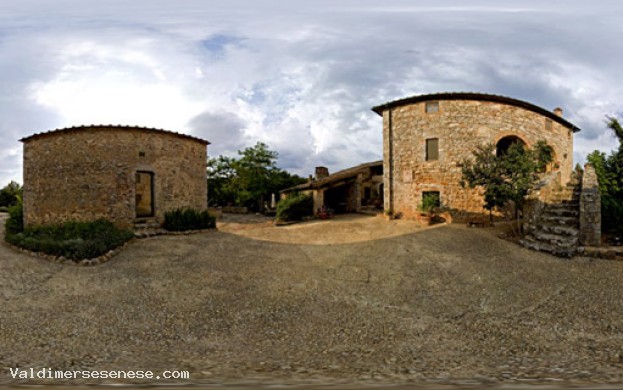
x=432, y=149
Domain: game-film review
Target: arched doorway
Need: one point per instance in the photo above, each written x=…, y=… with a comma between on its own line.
x=504, y=143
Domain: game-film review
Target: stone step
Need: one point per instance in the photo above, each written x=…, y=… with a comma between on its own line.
x=146, y=225
x=144, y=233
x=558, y=229
x=556, y=250
x=560, y=211
x=561, y=199
x=559, y=220
x=555, y=239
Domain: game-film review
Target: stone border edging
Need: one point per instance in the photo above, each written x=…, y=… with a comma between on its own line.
x=100, y=259
x=602, y=252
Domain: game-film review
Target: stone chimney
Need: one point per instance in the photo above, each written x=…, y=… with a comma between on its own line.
x=321, y=172
x=558, y=111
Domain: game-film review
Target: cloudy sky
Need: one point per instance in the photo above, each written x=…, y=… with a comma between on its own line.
x=298, y=75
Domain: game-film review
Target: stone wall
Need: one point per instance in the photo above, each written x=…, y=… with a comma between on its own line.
x=461, y=126
x=90, y=172
x=590, y=208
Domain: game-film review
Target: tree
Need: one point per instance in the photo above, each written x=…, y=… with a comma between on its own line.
x=9, y=194
x=505, y=177
x=247, y=181
x=609, y=171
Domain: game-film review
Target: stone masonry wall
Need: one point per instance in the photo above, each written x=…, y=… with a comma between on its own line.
x=460, y=126
x=590, y=209
x=89, y=173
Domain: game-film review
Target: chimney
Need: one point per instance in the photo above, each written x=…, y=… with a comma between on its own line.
x=321, y=172
x=558, y=111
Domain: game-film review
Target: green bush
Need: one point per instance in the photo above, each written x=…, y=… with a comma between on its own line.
x=295, y=207
x=73, y=240
x=15, y=223
x=188, y=219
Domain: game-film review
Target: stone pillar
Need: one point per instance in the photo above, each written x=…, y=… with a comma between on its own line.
x=590, y=209
x=358, y=191
x=318, y=199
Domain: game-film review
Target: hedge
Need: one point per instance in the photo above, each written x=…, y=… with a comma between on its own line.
x=73, y=240
x=188, y=219
x=295, y=207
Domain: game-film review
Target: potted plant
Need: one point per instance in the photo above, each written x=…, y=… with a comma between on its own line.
x=430, y=201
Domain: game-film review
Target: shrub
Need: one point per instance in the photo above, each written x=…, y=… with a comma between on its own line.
x=15, y=223
x=295, y=207
x=73, y=240
x=188, y=219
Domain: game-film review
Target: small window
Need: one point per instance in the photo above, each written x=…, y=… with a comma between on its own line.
x=432, y=149
x=432, y=107
x=548, y=124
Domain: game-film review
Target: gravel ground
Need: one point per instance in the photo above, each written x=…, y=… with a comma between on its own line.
x=351, y=300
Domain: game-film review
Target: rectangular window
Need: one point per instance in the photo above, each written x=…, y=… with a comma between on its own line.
x=432, y=107
x=548, y=124
x=432, y=149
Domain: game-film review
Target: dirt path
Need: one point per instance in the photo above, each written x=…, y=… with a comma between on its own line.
x=341, y=229
x=442, y=305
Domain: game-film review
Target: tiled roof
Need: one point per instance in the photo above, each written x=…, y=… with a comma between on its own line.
x=475, y=96
x=86, y=127
x=340, y=175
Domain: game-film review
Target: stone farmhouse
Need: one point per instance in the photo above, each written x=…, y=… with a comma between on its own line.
x=128, y=175
x=348, y=191
x=425, y=137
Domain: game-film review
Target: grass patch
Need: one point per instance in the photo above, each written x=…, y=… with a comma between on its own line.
x=72, y=240
x=188, y=219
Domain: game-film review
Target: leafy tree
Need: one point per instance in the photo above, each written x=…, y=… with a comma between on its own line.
x=505, y=177
x=609, y=170
x=249, y=180
x=9, y=194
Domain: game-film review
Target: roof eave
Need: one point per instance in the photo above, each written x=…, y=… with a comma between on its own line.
x=475, y=96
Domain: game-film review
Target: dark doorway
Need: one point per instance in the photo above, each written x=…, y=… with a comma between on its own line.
x=336, y=198
x=502, y=146
x=144, y=194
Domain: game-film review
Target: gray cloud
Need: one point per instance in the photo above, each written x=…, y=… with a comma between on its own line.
x=225, y=131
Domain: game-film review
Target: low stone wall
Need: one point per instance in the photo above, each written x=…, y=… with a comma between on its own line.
x=235, y=209
x=535, y=201
x=590, y=209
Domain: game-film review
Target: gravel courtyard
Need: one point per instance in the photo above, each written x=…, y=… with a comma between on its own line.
x=353, y=299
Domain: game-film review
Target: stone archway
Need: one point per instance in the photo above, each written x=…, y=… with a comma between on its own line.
x=506, y=142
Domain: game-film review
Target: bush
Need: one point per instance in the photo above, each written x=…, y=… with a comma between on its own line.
x=295, y=207
x=73, y=240
x=188, y=219
x=15, y=223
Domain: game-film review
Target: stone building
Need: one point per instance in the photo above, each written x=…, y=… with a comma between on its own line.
x=350, y=190
x=125, y=174
x=425, y=137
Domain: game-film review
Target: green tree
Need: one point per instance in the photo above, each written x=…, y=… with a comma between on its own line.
x=9, y=194
x=249, y=180
x=505, y=177
x=609, y=170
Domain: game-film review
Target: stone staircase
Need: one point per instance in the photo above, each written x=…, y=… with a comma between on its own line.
x=147, y=227
x=556, y=229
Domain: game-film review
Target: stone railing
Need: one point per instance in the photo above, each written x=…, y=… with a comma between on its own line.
x=590, y=209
